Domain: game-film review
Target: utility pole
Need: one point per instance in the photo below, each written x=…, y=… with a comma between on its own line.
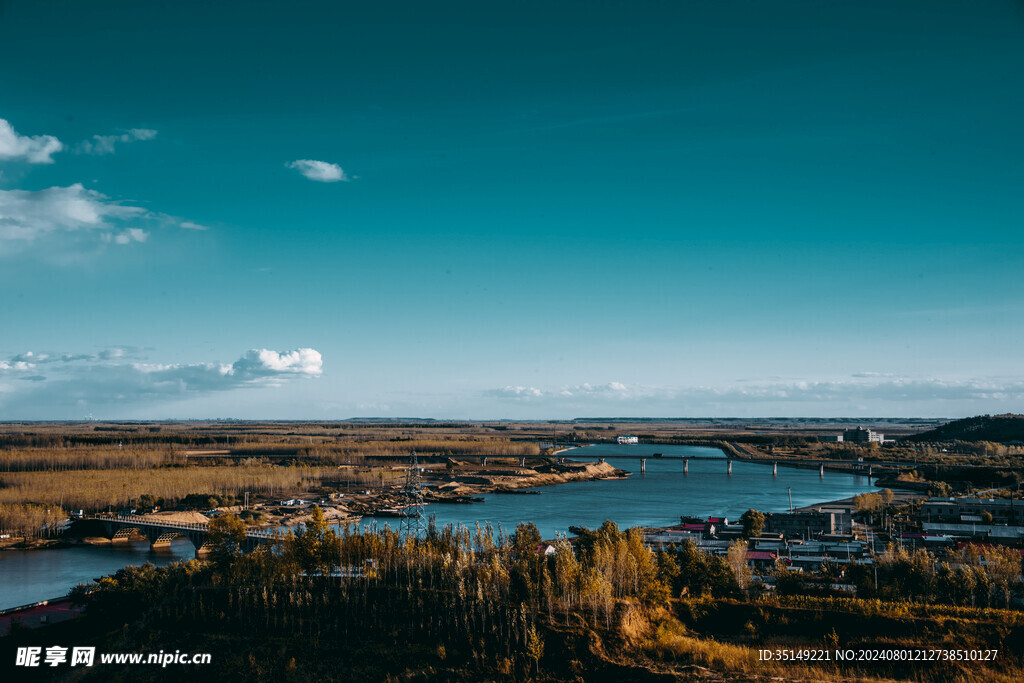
x=412, y=515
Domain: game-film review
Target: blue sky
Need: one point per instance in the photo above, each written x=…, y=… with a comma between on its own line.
x=537, y=210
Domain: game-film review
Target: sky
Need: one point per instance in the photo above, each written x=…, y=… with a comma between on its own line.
x=525, y=210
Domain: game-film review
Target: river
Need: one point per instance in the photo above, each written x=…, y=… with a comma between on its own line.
x=655, y=498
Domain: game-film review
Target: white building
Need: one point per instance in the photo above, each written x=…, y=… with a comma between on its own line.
x=628, y=438
x=861, y=435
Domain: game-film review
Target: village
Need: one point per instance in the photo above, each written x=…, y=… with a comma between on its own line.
x=838, y=547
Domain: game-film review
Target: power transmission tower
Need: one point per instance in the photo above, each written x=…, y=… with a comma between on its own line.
x=412, y=518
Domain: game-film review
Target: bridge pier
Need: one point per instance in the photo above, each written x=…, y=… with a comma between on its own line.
x=730, y=468
x=686, y=465
x=643, y=464
x=775, y=469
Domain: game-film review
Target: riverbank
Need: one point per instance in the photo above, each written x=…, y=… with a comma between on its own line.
x=22, y=543
x=461, y=483
x=455, y=482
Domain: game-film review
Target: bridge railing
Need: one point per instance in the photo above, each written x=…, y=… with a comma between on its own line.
x=180, y=526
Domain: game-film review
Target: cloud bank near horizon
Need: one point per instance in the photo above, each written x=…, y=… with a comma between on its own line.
x=40, y=385
x=883, y=393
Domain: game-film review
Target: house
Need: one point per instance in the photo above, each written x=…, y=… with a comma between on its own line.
x=1002, y=510
x=674, y=537
x=802, y=524
x=713, y=524
x=768, y=543
x=761, y=560
x=627, y=438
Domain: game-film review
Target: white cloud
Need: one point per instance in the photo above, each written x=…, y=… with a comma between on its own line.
x=131, y=235
x=264, y=363
x=105, y=144
x=35, y=149
x=112, y=353
x=116, y=377
x=72, y=214
x=27, y=215
x=321, y=171
x=15, y=365
x=516, y=392
x=256, y=367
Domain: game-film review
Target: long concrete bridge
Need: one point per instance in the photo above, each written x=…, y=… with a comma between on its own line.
x=866, y=469
x=848, y=467
x=160, y=533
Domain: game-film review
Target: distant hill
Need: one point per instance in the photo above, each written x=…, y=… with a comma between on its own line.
x=999, y=428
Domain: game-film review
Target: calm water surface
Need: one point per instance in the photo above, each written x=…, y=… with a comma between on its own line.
x=28, y=576
x=655, y=498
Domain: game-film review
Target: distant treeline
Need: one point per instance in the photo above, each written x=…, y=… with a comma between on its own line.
x=99, y=489
x=107, y=439
x=83, y=458
x=30, y=521
x=347, y=452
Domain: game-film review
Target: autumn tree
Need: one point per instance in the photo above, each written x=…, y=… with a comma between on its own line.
x=226, y=538
x=534, y=647
x=702, y=573
x=315, y=548
x=527, y=562
x=753, y=523
x=737, y=559
x=997, y=567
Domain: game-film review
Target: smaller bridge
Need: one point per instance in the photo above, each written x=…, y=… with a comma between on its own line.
x=160, y=533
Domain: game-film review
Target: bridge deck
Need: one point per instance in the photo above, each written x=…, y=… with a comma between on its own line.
x=141, y=521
